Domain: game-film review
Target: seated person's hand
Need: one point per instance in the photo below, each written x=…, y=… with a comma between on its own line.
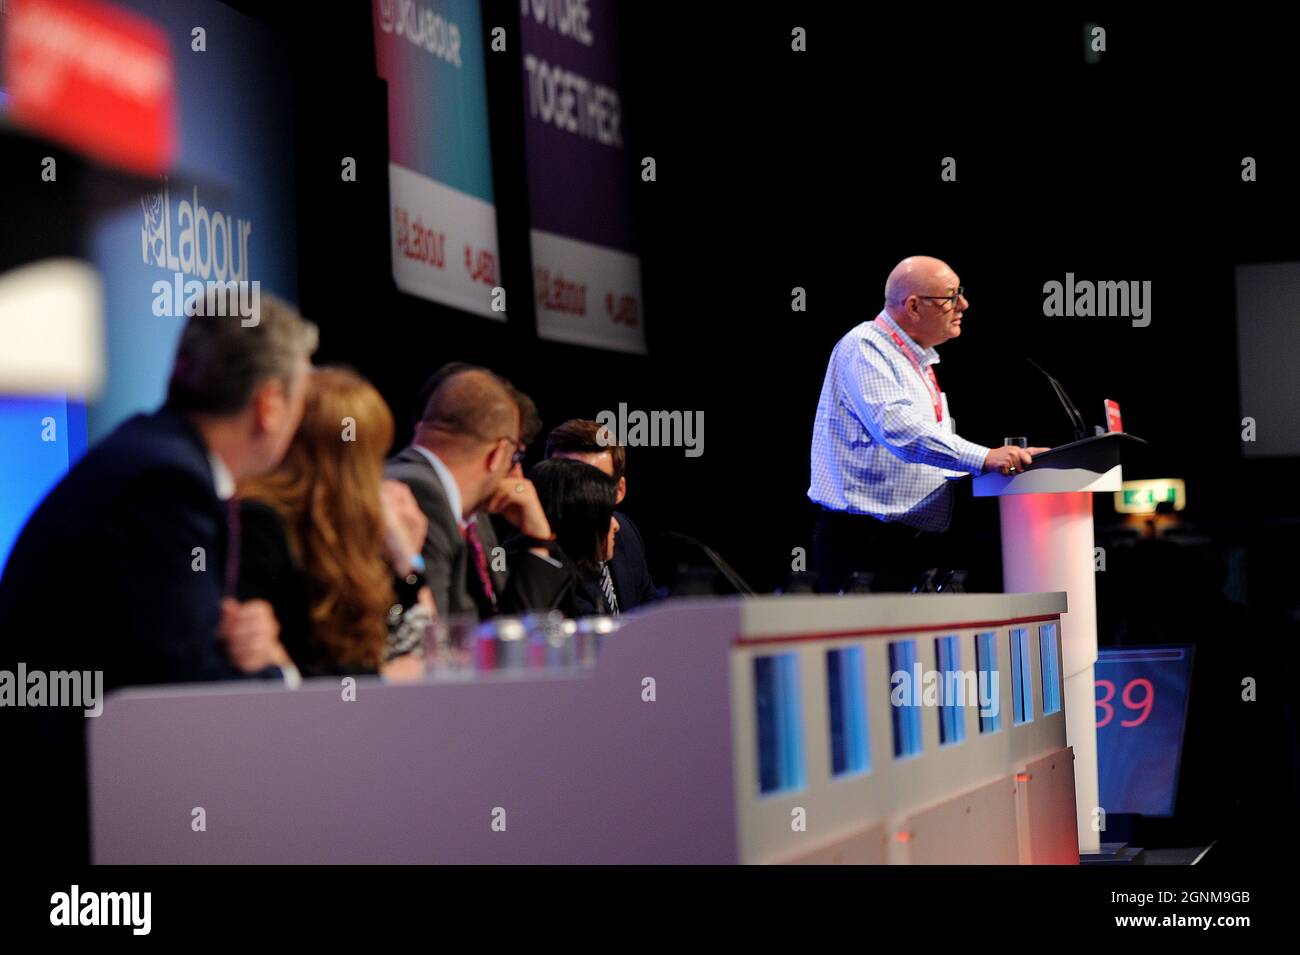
x=515, y=499
x=251, y=635
x=425, y=597
x=405, y=525
x=404, y=669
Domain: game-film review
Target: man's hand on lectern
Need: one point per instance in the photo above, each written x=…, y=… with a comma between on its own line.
x=1010, y=459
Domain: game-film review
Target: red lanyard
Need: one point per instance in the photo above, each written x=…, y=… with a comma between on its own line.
x=927, y=376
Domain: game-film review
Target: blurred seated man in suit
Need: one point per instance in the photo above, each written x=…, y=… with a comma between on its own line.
x=148, y=506
x=122, y=569
x=591, y=443
x=464, y=464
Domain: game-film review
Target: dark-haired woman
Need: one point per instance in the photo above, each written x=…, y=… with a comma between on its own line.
x=569, y=573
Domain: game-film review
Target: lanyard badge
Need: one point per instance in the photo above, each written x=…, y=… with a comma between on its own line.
x=927, y=374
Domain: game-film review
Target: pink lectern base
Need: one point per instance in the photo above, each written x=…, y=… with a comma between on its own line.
x=1047, y=544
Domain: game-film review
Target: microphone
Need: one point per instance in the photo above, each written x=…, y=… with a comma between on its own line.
x=1072, y=412
x=714, y=558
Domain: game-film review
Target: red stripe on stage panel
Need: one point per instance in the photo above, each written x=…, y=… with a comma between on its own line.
x=879, y=631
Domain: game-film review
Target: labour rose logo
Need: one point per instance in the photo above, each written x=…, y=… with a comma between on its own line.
x=153, y=245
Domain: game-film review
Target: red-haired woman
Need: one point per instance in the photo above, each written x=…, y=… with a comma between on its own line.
x=328, y=542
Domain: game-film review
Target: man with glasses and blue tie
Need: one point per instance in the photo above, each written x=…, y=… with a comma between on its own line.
x=884, y=443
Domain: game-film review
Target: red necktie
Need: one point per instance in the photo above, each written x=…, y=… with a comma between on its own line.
x=480, y=561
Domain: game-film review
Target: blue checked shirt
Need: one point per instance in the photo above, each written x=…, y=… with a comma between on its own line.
x=876, y=446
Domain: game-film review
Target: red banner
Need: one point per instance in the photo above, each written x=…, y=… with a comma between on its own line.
x=93, y=77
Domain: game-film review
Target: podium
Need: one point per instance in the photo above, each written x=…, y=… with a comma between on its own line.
x=1047, y=544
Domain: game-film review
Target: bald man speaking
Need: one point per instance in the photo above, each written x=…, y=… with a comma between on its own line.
x=883, y=442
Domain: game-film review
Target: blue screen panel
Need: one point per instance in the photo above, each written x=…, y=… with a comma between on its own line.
x=990, y=681
x=778, y=721
x=1022, y=689
x=905, y=706
x=847, y=702
x=40, y=438
x=1049, y=653
x=1142, y=696
x=952, y=713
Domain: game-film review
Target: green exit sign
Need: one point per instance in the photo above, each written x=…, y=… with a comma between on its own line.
x=1148, y=496
x=1142, y=497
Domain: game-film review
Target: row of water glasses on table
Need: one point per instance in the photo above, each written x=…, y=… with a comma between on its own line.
x=462, y=645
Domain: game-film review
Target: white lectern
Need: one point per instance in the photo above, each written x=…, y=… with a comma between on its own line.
x=1047, y=544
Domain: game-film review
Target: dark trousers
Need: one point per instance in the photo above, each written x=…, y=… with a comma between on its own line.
x=896, y=554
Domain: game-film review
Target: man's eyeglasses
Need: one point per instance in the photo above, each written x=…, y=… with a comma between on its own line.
x=950, y=299
x=520, y=450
